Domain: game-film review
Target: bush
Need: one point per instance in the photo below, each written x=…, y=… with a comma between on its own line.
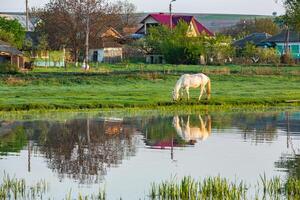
x=253, y=54
x=8, y=68
x=287, y=59
x=268, y=56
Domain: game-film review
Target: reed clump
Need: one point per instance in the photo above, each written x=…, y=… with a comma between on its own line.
x=13, y=188
x=216, y=188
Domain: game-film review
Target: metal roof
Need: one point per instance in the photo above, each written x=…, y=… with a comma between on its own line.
x=281, y=37
x=254, y=38
x=6, y=48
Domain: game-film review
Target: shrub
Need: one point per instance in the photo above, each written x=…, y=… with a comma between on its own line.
x=8, y=68
x=253, y=54
x=287, y=59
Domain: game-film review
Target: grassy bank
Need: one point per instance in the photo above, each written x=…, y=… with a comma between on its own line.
x=187, y=188
x=130, y=86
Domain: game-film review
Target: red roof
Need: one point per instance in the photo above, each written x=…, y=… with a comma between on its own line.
x=165, y=20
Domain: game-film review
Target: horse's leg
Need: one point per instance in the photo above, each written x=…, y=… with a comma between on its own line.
x=181, y=91
x=201, y=91
x=187, y=92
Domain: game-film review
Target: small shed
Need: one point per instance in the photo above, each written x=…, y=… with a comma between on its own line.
x=9, y=54
x=107, y=48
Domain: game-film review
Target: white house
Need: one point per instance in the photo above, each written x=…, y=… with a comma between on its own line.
x=107, y=48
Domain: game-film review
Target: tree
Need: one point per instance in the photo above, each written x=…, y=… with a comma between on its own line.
x=73, y=23
x=175, y=45
x=292, y=16
x=7, y=37
x=11, y=31
x=178, y=48
x=246, y=27
x=219, y=49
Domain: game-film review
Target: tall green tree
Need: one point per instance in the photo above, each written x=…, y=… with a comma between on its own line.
x=11, y=31
x=175, y=45
x=292, y=16
x=246, y=27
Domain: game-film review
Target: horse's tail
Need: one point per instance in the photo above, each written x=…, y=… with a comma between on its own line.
x=208, y=88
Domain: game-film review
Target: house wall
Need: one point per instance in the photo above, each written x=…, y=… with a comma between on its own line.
x=192, y=31
x=149, y=21
x=108, y=55
x=293, y=46
x=49, y=58
x=100, y=55
x=113, y=55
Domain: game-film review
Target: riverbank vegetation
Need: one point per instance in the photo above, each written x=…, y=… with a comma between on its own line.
x=144, y=86
x=185, y=189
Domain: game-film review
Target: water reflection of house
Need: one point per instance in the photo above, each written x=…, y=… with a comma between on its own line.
x=107, y=48
x=11, y=55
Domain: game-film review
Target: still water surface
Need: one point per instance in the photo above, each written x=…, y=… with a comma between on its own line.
x=125, y=155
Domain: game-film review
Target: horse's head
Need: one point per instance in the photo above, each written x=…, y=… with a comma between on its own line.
x=175, y=95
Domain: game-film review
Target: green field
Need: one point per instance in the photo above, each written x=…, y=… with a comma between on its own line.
x=144, y=86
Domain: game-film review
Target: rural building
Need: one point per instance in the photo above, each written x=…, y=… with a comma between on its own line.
x=9, y=54
x=107, y=48
x=284, y=39
x=195, y=27
x=254, y=38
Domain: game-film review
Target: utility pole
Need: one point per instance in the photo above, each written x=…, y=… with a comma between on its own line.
x=87, y=35
x=171, y=16
x=287, y=40
x=27, y=15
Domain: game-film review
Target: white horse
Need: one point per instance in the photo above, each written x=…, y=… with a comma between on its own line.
x=188, y=81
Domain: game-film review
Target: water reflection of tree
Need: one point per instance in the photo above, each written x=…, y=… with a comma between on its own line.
x=84, y=149
x=290, y=162
x=13, y=142
x=258, y=127
x=159, y=132
x=81, y=149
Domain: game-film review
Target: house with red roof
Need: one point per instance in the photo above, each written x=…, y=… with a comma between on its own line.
x=195, y=27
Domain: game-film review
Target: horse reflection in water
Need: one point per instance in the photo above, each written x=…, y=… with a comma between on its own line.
x=191, y=133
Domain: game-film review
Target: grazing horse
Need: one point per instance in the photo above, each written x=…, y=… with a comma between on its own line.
x=188, y=81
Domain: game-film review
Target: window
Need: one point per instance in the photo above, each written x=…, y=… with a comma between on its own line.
x=280, y=48
x=295, y=48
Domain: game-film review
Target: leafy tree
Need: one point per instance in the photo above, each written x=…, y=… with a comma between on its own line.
x=12, y=32
x=73, y=23
x=7, y=37
x=175, y=45
x=292, y=16
x=178, y=48
x=246, y=27
x=219, y=49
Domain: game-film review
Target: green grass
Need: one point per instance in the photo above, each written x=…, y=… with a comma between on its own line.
x=213, y=188
x=144, y=86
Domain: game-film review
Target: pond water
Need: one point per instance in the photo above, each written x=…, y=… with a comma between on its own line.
x=125, y=155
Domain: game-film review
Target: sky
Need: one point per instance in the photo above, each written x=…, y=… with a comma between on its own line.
x=260, y=7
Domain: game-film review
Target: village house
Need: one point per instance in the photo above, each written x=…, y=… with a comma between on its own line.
x=107, y=48
x=9, y=54
x=195, y=28
x=284, y=39
x=254, y=38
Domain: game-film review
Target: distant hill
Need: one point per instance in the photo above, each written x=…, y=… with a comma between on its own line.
x=215, y=22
